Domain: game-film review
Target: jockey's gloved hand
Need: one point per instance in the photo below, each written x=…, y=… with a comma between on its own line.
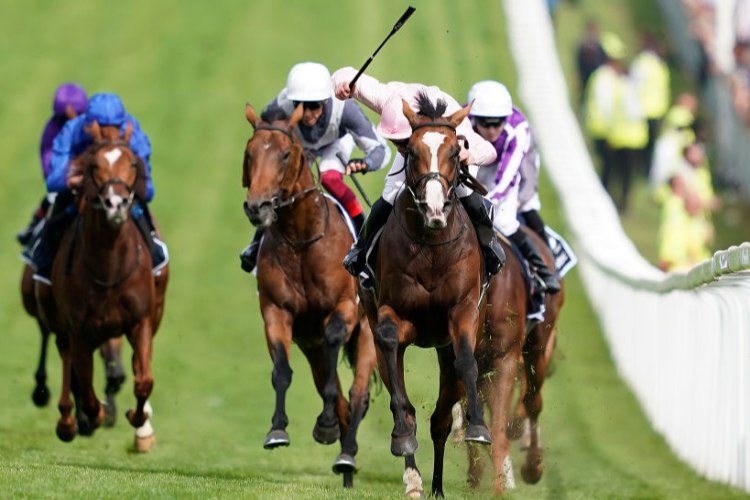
x=363, y=165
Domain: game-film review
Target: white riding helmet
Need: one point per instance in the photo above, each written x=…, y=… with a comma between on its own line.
x=491, y=99
x=309, y=81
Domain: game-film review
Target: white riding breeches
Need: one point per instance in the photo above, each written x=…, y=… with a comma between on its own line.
x=336, y=155
x=534, y=203
x=506, y=212
x=395, y=183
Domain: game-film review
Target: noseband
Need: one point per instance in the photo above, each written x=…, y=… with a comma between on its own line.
x=98, y=202
x=277, y=201
x=423, y=179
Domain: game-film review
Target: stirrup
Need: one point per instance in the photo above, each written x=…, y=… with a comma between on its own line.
x=249, y=257
x=354, y=261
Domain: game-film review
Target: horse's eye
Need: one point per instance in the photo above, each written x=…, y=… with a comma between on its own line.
x=287, y=155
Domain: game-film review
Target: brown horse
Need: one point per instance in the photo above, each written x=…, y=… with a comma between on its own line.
x=102, y=284
x=429, y=284
x=110, y=352
x=306, y=296
x=509, y=339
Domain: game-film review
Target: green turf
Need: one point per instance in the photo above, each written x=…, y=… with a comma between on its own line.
x=185, y=69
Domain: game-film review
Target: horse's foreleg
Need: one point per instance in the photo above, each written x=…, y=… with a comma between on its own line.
x=412, y=478
x=403, y=437
x=110, y=352
x=141, y=339
x=462, y=326
x=440, y=422
x=92, y=410
x=535, y=367
x=279, y=338
x=359, y=398
x=500, y=400
x=41, y=393
x=66, y=426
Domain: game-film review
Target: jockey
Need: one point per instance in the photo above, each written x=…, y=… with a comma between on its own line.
x=386, y=100
x=329, y=129
x=512, y=181
x=108, y=110
x=70, y=100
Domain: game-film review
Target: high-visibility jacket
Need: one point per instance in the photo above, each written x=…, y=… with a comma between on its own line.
x=599, y=101
x=629, y=126
x=651, y=76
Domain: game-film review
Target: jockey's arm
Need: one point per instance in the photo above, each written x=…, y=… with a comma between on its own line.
x=62, y=152
x=510, y=163
x=141, y=146
x=355, y=122
x=480, y=152
x=368, y=90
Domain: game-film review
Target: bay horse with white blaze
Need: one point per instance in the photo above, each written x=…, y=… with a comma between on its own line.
x=306, y=295
x=429, y=278
x=102, y=283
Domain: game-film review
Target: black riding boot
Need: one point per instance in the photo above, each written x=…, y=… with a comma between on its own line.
x=26, y=235
x=145, y=225
x=536, y=224
x=531, y=254
x=249, y=256
x=63, y=214
x=355, y=260
x=494, y=255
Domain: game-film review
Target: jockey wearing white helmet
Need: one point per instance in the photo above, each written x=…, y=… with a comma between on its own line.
x=512, y=182
x=386, y=100
x=329, y=129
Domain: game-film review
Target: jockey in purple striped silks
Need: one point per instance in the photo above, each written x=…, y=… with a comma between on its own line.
x=70, y=100
x=513, y=182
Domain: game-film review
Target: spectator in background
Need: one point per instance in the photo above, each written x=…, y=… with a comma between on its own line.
x=599, y=101
x=650, y=74
x=590, y=55
x=682, y=238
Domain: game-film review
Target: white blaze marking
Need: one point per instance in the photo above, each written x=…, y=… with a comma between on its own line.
x=113, y=156
x=434, y=188
x=114, y=198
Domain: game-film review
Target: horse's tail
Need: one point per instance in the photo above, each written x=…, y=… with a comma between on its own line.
x=350, y=355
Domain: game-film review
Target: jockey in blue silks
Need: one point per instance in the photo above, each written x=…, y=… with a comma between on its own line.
x=107, y=110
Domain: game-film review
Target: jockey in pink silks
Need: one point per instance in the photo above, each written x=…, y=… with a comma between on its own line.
x=386, y=101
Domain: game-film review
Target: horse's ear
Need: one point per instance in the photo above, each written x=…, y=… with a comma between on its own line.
x=128, y=132
x=409, y=113
x=140, y=187
x=251, y=116
x=70, y=112
x=95, y=132
x=296, y=117
x=292, y=169
x=459, y=115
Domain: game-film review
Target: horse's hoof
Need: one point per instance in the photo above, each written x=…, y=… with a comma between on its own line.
x=326, y=435
x=417, y=493
x=478, y=434
x=110, y=411
x=531, y=472
x=404, y=446
x=65, y=433
x=40, y=396
x=276, y=438
x=84, y=424
x=144, y=444
x=345, y=464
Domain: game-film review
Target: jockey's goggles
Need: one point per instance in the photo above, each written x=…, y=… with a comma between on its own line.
x=311, y=105
x=490, y=121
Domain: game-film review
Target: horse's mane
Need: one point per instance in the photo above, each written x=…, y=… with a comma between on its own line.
x=427, y=108
x=273, y=114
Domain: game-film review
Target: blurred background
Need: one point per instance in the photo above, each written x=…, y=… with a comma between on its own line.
x=186, y=70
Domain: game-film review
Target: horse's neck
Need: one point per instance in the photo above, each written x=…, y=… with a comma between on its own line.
x=107, y=249
x=305, y=218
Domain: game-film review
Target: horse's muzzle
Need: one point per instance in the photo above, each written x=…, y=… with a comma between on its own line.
x=116, y=208
x=260, y=215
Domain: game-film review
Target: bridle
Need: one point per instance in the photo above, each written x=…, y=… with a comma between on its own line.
x=98, y=202
x=276, y=201
x=416, y=186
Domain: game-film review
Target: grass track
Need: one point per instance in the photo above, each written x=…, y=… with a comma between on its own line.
x=185, y=69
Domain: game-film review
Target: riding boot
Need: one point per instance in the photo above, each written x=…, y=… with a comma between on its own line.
x=531, y=254
x=358, y=221
x=356, y=259
x=249, y=256
x=43, y=256
x=145, y=224
x=476, y=209
x=536, y=224
x=26, y=235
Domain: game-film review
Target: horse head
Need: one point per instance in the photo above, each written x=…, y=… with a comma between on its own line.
x=272, y=165
x=432, y=159
x=112, y=174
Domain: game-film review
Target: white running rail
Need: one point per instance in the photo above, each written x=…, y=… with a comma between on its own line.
x=680, y=340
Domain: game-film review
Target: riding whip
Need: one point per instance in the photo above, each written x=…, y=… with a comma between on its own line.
x=342, y=159
x=396, y=27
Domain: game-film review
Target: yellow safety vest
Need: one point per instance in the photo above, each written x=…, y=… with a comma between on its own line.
x=651, y=75
x=629, y=126
x=599, y=101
